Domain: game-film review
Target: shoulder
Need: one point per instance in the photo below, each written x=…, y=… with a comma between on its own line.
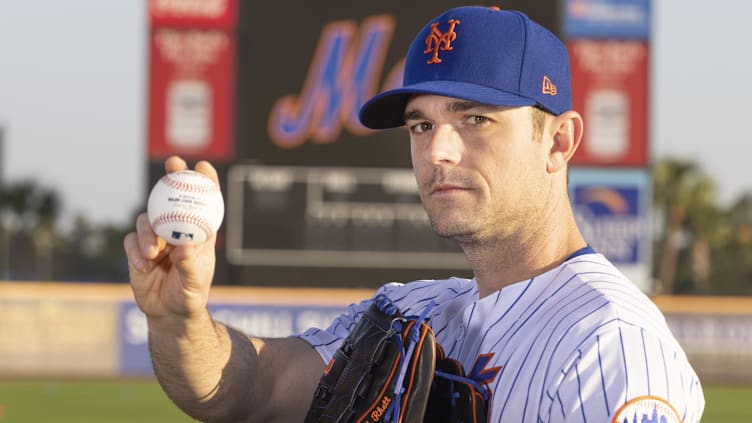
x=413, y=296
x=614, y=339
x=593, y=298
x=410, y=298
x=593, y=310
x=593, y=288
x=620, y=373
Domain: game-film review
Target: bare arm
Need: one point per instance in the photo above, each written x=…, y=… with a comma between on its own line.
x=212, y=372
x=224, y=375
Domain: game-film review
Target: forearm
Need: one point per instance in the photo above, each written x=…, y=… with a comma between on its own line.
x=205, y=367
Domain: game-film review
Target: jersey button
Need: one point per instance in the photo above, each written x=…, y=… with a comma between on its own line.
x=460, y=332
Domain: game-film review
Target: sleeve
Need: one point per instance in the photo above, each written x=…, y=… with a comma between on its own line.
x=327, y=341
x=625, y=375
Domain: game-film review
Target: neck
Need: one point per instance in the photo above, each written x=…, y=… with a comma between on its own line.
x=520, y=256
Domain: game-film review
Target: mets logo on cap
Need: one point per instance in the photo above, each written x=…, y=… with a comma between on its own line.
x=647, y=409
x=440, y=41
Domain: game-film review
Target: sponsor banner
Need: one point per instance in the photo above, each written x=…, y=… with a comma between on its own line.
x=719, y=345
x=220, y=14
x=264, y=320
x=191, y=94
x=610, y=90
x=619, y=19
x=713, y=333
x=44, y=336
x=612, y=208
x=96, y=330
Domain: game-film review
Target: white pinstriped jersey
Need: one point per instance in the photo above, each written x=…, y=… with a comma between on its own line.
x=578, y=343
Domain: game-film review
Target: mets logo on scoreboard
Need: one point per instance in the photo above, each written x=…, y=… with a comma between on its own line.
x=647, y=409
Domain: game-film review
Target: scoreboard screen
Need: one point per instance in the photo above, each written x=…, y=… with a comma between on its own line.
x=331, y=217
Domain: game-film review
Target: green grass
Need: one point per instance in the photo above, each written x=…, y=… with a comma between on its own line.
x=144, y=402
x=732, y=404
x=87, y=401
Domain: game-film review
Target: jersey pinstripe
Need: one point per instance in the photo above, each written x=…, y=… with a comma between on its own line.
x=574, y=344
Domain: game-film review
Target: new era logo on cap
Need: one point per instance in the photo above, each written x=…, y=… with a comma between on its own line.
x=527, y=66
x=548, y=86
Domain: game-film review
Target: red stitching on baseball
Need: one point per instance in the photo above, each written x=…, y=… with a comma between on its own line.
x=181, y=217
x=184, y=186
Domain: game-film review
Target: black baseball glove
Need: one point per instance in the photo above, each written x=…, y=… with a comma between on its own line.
x=382, y=372
x=454, y=397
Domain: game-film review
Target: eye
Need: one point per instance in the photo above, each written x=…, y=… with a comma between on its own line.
x=420, y=127
x=477, y=120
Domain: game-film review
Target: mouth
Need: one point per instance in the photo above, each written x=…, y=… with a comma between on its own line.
x=442, y=189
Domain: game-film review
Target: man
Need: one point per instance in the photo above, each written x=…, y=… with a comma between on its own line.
x=556, y=332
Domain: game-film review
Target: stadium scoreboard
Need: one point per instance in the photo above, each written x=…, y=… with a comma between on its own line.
x=331, y=217
x=271, y=99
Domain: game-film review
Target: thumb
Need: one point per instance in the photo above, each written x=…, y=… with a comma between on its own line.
x=194, y=265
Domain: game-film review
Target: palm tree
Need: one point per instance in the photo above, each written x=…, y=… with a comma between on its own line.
x=737, y=279
x=28, y=209
x=708, y=230
x=686, y=199
x=47, y=211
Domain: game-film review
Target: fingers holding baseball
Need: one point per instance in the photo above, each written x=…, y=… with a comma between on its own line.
x=143, y=247
x=166, y=279
x=207, y=169
x=194, y=264
x=176, y=164
x=171, y=253
x=149, y=243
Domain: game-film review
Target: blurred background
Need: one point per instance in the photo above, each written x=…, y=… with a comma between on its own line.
x=320, y=211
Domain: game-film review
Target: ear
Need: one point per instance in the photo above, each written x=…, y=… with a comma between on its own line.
x=566, y=130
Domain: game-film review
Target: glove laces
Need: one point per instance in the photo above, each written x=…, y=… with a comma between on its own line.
x=406, y=352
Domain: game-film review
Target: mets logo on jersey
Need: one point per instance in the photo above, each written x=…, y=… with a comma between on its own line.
x=481, y=372
x=440, y=41
x=647, y=409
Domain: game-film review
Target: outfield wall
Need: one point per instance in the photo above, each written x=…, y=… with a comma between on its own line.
x=51, y=330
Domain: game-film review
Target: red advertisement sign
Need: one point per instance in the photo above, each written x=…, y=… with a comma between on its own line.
x=191, y=94
x=218, y=14
x=609, y=89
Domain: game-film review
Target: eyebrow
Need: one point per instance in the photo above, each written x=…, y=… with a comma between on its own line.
x=453, y=107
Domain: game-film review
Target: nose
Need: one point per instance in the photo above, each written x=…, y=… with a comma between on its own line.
x=444, y=146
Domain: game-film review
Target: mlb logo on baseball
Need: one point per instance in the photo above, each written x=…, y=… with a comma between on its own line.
x=179, y=235
x=185, y=207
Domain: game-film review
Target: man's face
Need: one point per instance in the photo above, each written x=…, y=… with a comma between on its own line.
x=481, y=173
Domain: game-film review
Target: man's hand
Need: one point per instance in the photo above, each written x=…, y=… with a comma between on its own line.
x=170, y=280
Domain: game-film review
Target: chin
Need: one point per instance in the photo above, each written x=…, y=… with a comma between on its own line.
x=454, y=230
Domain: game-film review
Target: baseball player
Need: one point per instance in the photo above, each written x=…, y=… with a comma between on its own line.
x=550, y=329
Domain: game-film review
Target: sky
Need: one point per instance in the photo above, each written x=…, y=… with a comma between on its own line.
x=73, y=97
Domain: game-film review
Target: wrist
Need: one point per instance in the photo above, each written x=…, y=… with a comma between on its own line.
x=189, y=327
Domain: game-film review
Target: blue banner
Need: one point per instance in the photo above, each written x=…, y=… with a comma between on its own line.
x=612, y=209
x=259, y=320
x=615, y=19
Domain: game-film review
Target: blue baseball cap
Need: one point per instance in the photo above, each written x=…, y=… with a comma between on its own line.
x=484, y=54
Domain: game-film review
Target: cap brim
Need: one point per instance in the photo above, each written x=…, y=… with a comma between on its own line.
x=386, y=110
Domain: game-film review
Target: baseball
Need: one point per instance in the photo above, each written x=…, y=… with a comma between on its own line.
x=185, y=207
